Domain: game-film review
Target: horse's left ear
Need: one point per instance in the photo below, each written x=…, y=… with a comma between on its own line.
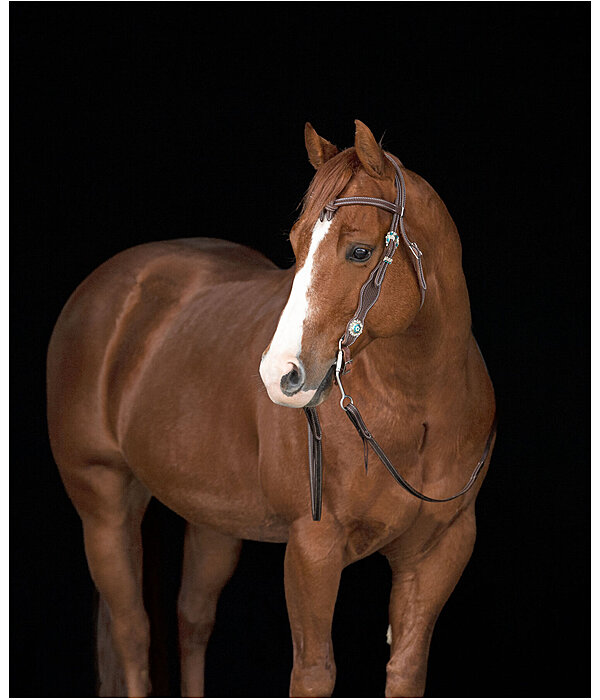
x=319, y=149
x=370, y=153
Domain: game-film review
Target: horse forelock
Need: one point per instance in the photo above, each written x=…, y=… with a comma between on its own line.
x=329, y=180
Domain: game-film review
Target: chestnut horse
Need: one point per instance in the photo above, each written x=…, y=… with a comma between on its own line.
x=153, y=389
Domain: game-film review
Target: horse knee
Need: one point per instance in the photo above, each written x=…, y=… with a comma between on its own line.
x=195, y=625
x=131, y=633
x=312, y=681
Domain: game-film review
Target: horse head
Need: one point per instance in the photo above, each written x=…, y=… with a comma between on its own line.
x=335, y=256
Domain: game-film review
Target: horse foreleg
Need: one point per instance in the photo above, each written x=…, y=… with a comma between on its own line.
x=209, y=560
x=421, y=585
x=313, y=565
x=111, y=504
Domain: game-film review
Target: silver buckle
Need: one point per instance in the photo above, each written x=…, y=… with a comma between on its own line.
x=414, y=249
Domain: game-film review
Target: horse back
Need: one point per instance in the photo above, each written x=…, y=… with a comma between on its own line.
x=110, y=325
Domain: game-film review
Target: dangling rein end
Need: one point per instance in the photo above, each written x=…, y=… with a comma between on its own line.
x=315, y=462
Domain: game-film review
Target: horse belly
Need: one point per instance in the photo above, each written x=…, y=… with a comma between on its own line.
x=189, y=429
x=207, y=474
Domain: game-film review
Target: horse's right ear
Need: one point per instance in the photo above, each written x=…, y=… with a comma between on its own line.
x=319, y=149
x=370, y=153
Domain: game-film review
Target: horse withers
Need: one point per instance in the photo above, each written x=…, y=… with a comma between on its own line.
x=142, y=402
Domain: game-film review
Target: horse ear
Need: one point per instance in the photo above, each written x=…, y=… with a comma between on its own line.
x=319, y=149
x=369, y=151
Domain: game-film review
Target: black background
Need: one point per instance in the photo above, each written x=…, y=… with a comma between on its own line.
x=148, y=121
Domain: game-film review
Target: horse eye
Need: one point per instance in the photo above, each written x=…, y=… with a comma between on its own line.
x=359, y=254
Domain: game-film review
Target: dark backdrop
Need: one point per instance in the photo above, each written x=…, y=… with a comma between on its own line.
x=147, y=121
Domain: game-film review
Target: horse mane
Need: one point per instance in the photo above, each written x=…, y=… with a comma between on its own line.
x=329, y=180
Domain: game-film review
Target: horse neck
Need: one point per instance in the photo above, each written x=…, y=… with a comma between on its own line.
x=432, y=351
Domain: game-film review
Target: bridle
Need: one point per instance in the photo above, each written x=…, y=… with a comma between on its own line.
x=369, y=294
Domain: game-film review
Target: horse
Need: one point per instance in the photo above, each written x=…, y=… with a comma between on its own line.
x=171, y=373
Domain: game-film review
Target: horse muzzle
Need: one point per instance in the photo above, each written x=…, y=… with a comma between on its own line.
x=287, y=382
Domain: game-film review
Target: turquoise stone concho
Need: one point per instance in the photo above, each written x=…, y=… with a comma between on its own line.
x=391, y=236
x=356, y=327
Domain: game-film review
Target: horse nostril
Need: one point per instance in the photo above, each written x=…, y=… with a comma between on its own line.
x=293, y=381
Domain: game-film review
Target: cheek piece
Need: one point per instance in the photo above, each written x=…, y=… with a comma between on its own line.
x=369, y=294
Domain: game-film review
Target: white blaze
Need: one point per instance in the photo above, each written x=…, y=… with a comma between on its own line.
x=287, y=341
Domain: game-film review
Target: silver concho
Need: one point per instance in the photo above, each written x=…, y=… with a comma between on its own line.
x=391, y=236
x=355, y=327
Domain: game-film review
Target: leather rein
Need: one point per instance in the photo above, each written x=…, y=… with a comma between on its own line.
x=369, y=294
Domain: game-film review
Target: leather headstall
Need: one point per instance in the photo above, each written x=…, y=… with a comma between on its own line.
x=369, y=294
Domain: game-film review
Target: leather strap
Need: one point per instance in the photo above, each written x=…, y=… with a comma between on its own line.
x=371, y=289
x=357, y=421
x=315, y=462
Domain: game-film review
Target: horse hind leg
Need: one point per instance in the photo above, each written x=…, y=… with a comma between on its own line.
x=209, y=560
x=111, y=504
